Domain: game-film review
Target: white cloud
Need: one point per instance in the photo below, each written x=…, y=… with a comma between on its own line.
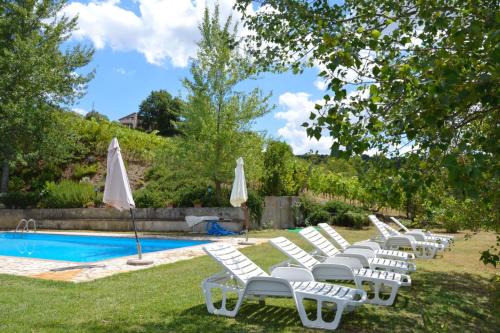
x=298, y=107
x=80, y=111
x=164, y=29
x=320, y=84
x=123, y=71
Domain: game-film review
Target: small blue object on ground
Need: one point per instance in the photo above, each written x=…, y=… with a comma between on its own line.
x=215, y=229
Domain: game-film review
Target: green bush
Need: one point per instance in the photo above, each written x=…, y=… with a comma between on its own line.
x=203, y=194
x=351, y=219
x=68, y=194
x=20, y=200
x=334, y=212
x=82, y=170
x=147, y=198
x=337, y=207
x=308, y=205
x=255, y=204
x=318, y=216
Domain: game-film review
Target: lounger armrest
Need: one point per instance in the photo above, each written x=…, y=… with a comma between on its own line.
x=268, y=285
x=292, y=274
x=367, y=244
x=368, y=253
x=418, y=235
x=355, y=259
x=401, y=240
x=332, y=271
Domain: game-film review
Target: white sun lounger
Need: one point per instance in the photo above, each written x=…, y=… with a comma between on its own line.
x=419, y=234
x=423, y=250
x=247, y=280
x=383, y=285
x=344, y=245
x=367, y=257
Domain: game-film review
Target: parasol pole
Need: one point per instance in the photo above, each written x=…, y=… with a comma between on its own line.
x=139, y=250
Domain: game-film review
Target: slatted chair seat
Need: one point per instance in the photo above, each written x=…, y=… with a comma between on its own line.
x=446, y=240
x=299, y=284
x=345, y=269
x=421, y=249
x=343, y=244
x=365, y=256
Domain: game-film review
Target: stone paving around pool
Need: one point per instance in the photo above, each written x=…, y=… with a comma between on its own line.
x=84, y=272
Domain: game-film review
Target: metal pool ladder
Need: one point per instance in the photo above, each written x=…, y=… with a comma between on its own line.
x=24, y=225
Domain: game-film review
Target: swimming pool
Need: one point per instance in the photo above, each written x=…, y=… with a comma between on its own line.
x=79, y=248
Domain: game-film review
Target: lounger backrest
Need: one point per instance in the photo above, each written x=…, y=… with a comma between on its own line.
x=401, y=225
x=390, y=229
x=234, y=261
x=337, y=238
x=319, y=241
x=379, y=225
x=294, y=252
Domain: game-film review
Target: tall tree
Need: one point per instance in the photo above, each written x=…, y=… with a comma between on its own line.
x=38, y=74
x=217, y=117
x=281, y=170
x=160, y=111
x=418, y=75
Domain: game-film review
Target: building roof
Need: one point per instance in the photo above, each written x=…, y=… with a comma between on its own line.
x=132, y=115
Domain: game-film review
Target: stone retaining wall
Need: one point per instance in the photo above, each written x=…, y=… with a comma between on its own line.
x=107, y=219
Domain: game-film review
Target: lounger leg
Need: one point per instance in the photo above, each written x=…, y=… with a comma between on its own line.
x=223, y=311
x=319, y=322
x=426, y=252
x=377, y=289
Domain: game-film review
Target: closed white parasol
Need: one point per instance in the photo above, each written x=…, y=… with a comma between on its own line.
x=117, y=192
x=239, y=195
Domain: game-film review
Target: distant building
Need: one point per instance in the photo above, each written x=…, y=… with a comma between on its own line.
x=131, y=121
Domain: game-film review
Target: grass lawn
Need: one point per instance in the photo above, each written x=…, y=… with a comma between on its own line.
x=454, y=293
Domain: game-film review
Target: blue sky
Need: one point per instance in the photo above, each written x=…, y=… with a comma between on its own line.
x=145, y=45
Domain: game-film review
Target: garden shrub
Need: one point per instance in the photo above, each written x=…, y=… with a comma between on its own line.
x=308, y=205
x=351, y=219
x=82, y=170
x=334, y=212
x=318, y=216
x=337, y=207
x=68, y=194
x=203, y=194
x=150, y=198
x=20, y=200
x=255, y=205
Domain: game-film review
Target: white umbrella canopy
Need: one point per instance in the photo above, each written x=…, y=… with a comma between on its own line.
x=239, y=193
x=117, y=191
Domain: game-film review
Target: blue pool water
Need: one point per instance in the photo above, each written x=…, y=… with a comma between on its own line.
x=79, y=248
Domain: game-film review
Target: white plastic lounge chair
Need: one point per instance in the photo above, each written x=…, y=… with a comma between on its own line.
x=344, y=245
x=419, y=237
x=423, y=250
x=383, y=285
x=365, y=256
x=420, y=234
x=247, y=280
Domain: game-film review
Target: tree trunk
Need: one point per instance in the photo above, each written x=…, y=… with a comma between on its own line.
x=5, y=177
x=218, y=192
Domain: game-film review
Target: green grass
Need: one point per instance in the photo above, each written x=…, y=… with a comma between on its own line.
x=452, y=293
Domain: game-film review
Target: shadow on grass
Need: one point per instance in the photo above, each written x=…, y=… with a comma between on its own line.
x=436, y=302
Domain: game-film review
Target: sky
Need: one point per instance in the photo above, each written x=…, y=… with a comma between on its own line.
x=146, y=45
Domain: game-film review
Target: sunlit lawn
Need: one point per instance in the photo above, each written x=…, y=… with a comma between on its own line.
x=454, y=293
